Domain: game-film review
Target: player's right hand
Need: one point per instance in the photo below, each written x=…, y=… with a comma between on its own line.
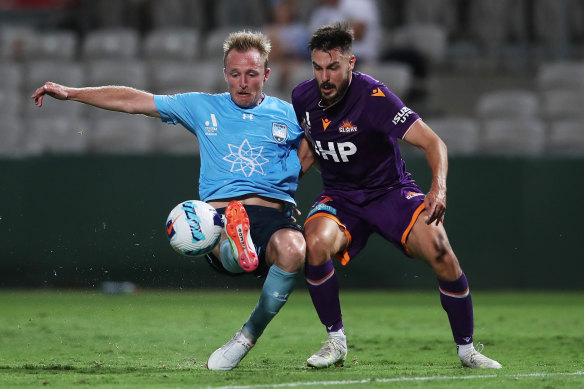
x=50, y=88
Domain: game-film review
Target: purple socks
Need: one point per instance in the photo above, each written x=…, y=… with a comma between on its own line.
x=323, y=287
x=457, y=302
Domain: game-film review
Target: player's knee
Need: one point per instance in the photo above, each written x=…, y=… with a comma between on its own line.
x=444, y=261
x=290, y=252
x=317, y=249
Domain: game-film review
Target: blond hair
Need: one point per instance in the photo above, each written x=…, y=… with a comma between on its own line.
x=244, y=41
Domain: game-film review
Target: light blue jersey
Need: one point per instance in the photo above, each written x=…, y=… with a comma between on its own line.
x=243, y=151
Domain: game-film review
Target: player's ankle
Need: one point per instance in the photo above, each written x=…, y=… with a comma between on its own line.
x=339, y=334
x=248, y=335
x=464, y=349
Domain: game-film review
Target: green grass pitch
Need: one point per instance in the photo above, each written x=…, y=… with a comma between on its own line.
x=161, y=339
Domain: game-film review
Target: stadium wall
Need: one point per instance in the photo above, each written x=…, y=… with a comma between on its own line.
x=66, y=221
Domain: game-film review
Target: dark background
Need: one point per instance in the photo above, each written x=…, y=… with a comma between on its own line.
x=514, y=222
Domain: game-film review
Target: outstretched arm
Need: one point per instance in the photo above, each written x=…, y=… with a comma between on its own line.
x=113, y=98
x=423, y=137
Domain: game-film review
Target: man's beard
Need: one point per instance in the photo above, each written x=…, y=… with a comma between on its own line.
x=327, y=102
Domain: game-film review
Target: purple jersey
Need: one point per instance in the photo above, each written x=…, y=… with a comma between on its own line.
x=356, y=139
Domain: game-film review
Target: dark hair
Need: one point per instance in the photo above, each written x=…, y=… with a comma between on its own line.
x=338, y=35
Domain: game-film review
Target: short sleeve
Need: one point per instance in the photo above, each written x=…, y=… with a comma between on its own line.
x=165, y=105
x=390, y=113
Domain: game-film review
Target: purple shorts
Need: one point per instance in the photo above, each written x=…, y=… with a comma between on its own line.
x=390, y=213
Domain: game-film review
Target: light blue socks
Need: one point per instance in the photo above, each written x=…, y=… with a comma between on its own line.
x=230, y=263
x=275, y=292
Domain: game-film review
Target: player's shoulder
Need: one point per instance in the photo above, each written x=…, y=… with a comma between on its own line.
x=277, y=104
x=368, y=85
x=272, y=100
x=375, y=93
x=304, y=90
x=197, y=96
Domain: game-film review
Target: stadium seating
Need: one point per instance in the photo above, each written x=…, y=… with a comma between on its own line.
x=272, y=87
x=300, y=73
x=53, y=109
x=429, y=39
x=566, y=137
x=488, y=24
x=176, y=13
x=114, y=43
x=175, y=46
x=229, y=13
x=507, y=103
x=130, y=73
x=513, y=136
x=105, y=14
x=437, y=12
x=398, y=77
x=550, y=26
x=11, y=102
x=60, y=45
x=560, y=75
x=14, y=41
x=171, y=44
x=119, y=133
x=461, y=134
x=213, y=42
x=170, y=77
x=58, y=135
x=12, y=135
x=563, y=103
x=64, y=72
x=11, y=75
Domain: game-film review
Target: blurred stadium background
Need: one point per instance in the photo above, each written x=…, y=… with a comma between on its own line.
x=84, y=192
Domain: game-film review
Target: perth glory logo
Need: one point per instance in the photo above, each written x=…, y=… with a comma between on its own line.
x=348, y=127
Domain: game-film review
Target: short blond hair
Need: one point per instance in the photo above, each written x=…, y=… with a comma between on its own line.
x=243, y=41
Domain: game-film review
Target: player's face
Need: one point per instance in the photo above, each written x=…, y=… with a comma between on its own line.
x=245, y=75
x=332, y=70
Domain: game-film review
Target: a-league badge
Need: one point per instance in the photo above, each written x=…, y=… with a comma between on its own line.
x=279, y=132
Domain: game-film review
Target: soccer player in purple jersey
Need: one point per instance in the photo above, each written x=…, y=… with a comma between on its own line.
x=353, y=123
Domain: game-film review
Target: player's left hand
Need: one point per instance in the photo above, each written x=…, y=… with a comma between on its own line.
x=297, y=212
x=435, y=203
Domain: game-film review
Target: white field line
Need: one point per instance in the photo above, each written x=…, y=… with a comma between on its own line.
x=397, y=379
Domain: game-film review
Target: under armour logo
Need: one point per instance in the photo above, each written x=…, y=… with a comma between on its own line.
x=248, y=116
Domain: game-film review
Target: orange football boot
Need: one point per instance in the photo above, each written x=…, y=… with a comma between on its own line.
x=237, y=229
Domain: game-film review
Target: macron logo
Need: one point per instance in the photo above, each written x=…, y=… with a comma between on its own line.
x=377, y=92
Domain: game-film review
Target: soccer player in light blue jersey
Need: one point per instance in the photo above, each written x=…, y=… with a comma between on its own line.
x=251, y=151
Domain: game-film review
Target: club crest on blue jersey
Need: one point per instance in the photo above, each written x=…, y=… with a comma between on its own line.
x=279, y=132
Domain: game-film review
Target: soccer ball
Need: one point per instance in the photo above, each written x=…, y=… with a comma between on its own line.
x=194, y=228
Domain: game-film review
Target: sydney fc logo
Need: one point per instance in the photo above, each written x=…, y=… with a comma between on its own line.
x=279, y=132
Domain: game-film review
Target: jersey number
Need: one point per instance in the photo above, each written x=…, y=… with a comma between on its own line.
x=339, y=152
